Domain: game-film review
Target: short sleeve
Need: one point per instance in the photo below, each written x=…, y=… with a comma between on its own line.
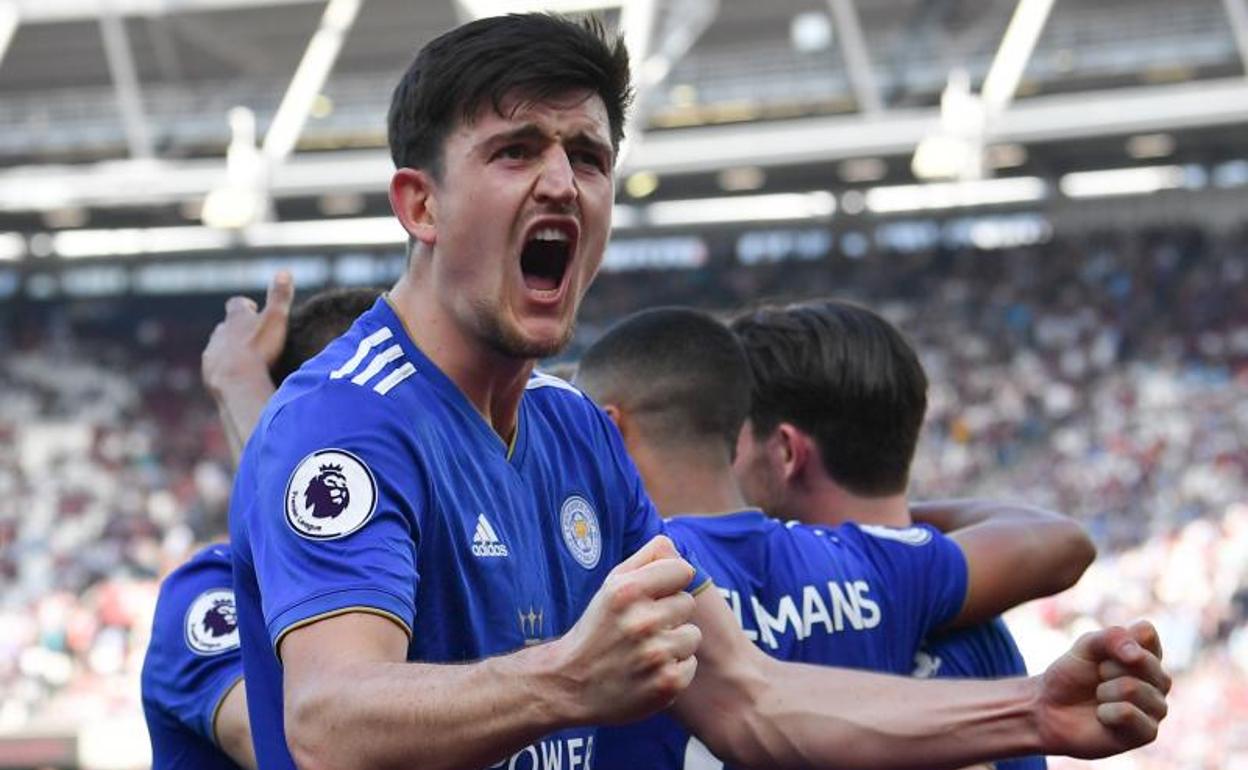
x=193, y=658
x=334, y=523
x=924, y=569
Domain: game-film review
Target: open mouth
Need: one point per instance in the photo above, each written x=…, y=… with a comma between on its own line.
x=545, y=257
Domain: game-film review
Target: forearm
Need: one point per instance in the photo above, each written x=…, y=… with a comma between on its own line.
x=240, y=400
x=951, y=515
x=383, y=715
x=1016, y=552
x=813, y=716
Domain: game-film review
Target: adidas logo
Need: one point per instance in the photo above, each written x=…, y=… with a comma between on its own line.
x=485, y=542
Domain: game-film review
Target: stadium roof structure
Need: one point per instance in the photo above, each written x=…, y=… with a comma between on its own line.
x=246, y=113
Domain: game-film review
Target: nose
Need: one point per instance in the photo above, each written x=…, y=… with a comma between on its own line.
x=556, y=182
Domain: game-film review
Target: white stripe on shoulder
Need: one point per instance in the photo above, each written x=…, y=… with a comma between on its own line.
x=541, y=380
x=394, y=378
x=907, y=535
x=378, y=363
x=366, y=344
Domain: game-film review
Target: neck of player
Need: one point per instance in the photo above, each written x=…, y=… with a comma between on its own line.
x=492, y=382
x=832, y=505
x=689, y=483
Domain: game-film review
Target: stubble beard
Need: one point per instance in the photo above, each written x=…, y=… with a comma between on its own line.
x=507, y=341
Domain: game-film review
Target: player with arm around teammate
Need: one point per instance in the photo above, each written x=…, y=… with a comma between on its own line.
x=677, y=384
x=839, y=398
x=416, y=497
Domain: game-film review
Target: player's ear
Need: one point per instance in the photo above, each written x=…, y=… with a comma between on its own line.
x=630, y=431
x=793, y=451
x=414, y=204
x=615, y=414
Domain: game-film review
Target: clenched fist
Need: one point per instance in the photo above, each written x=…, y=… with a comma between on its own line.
x=632, y=652
x=1106, y=695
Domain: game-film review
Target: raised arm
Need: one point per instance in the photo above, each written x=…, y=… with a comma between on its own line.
x=754, y=711
x=235, y=363
x=352, y=701
x=1014, y=553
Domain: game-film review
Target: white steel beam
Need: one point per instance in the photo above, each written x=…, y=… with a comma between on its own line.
x=126, y=86
x=1006, y=70
x=9, y=19
x=857, y=60
x=1049, y=118
x=309, y=79
x=685, y=23
x=1237, y=13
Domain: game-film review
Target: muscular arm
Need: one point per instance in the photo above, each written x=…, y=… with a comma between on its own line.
x=350, y=672
x=351, y=700
x=232, y=728
x=754, y=711
x=1014, y=553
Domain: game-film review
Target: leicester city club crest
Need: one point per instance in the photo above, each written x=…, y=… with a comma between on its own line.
x=331, y=494
x=211, y=624
x=580, y=531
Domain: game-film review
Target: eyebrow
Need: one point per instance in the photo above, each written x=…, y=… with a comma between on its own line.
x=533, y=132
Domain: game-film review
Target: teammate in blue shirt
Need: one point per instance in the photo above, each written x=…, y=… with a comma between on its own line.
x=194, y=698
x=677, y=384
x=415, y=496
x=839, y=399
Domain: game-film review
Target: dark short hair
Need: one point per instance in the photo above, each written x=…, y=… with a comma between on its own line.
x=680, y=371
x=847, y=378
x=534, y=56
x=318, y=321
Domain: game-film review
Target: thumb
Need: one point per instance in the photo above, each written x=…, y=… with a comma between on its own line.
x=659, y=547
x=281, y=294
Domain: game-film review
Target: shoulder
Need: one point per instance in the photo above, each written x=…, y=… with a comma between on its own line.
x=743, y=524
x=196, y=607
x=566, y=409
x=913, y=536
x=208, y=567
x=556, y=396
x=370, y=366
x=541, y=381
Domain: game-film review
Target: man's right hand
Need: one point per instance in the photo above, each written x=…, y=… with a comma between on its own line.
x=249, y=339
x=632, y=651
x=235, y=363
x=1106, y=695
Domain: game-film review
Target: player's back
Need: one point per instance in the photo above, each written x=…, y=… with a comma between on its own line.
x=192, y=663
x=850, y=596
x=847, y=596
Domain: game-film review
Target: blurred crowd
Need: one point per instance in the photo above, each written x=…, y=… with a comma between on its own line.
x=111, y=466
x=1103, y=376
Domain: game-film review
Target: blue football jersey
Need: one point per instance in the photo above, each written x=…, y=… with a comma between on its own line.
x=371, y=484
x=192, y=662
x=852, y=596
x=986, y=651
